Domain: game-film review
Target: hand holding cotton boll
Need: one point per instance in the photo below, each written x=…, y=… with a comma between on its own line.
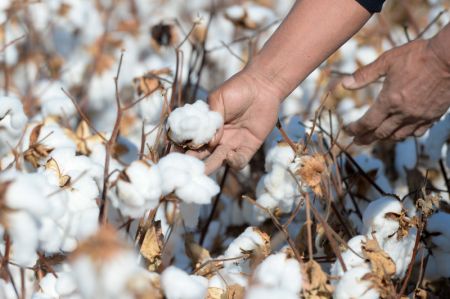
x=193, y=125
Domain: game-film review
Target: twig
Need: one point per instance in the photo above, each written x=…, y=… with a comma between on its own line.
x=109, y=146
x=214, y=207
x=435, y=19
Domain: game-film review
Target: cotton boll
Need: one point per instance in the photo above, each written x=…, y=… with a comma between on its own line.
x=190, y=213
x=437, y=226
x=24, y=238
x=351, y=285
x=151, y=108
x=279, y=272
x=251, y=239
x=12, y=123
x=401, y=251
x=193, y=123
x=437, y=137
x=353, y=256
x=177, y=284
x=53, y=100
x=268, y=293
x=405, y=155
x=281, y=155
x=185, y=176
x=140, y=190
x=442, y=260
x=375, y=220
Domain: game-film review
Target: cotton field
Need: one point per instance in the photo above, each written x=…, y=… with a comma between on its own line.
x=104, y=120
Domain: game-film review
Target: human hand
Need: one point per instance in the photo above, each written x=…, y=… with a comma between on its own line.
x=249, y=105
x=415, y=93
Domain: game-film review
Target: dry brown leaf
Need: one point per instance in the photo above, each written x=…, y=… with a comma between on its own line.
x=216, y=293
x=383, y=268
x=311, y=171
x=317, y=287
x=200, y=258
x=235, y=291
x=36, y=151
x=381, y=263
x=152, y=245
x=83, y=137
x=404, y=223
x=242, y=21
x=150, y=81
x=64, y=180
x=429, y=204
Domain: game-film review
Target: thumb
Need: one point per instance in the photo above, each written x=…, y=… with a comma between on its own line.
x=239, y=159
x=367, y=74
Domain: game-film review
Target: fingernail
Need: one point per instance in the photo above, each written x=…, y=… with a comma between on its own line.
x=348, y=82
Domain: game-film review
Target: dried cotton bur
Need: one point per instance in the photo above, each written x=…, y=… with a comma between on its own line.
x=96, y=201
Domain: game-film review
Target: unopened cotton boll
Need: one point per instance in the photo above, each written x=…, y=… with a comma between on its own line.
x=351, y=285
x=177, y=284
x=280, y=272
x=185, y=176
x=139, y=190
x=194, y=123
x=375, y=220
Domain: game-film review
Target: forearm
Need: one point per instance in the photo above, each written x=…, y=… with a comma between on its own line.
x=440, y=44
x=312, y=31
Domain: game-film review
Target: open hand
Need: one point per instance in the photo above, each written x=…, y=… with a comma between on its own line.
x=415, y=93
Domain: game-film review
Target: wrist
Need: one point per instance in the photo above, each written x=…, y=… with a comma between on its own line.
x=267, y=79
x=440, y=46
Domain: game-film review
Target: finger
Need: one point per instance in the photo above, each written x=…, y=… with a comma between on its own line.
x=216, y=159
x=365, y=139
x=367, y=74
x=216, y=139
x=389, y=126
x=239, y=159
x=202, y=154
x=421, y=130
x=404, y=132
x=369, y=121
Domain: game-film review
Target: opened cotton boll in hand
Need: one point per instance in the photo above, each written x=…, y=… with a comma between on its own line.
x=193, y=125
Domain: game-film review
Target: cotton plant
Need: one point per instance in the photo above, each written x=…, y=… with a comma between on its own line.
x=439, y=241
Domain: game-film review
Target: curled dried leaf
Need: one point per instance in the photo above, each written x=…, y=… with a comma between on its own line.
x=152, y=245
x=311, y=171
x=381, y=263
x=318, y=286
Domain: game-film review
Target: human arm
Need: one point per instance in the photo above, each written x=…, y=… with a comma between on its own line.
x=249, y=101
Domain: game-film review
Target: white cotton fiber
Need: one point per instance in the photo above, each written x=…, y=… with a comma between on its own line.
x=194, y=123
